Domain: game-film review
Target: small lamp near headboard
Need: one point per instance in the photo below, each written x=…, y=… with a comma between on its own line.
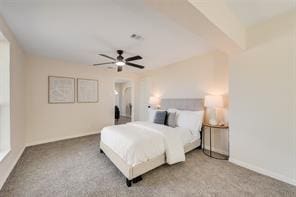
x=212, y=103
x=154, y=102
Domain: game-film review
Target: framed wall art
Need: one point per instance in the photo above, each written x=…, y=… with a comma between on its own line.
x=61, y=90
x=87, y=91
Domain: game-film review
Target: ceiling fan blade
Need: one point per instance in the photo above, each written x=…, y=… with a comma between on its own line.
x=107, y=56
x=104, y=63
x=135, y=65
x=134, y=58
x=119, y=68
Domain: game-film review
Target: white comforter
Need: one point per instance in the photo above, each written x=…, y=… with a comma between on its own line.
x=137, y=142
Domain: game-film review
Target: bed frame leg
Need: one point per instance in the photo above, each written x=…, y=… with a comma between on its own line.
x=128, y=182
x=137, y=179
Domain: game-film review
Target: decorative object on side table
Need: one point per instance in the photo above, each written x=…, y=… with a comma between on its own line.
x=210, y=153
x=212, y=103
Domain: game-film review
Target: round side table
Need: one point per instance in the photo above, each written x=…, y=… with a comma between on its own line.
x=211, y=153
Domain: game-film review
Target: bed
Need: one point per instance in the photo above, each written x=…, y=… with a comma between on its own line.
x=138, y=147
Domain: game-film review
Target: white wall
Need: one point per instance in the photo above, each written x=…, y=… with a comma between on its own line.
x=4, y=96
x=192, y=78
x=49, y=122
x=17, y=103
x=262, y=101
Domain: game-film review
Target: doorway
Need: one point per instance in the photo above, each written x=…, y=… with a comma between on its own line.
x=123, y=101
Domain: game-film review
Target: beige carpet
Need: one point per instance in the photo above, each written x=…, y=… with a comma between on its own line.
x=76, y=168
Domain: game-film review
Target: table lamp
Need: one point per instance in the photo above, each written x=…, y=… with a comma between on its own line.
x=154, y=102
x=212, y=103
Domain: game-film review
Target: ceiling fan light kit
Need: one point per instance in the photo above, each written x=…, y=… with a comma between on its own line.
x=120, y=61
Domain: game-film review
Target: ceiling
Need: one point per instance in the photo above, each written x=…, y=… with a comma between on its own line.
x=77, y=30
x=251, y=12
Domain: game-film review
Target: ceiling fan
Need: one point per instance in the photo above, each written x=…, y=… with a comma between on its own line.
x=120, y=61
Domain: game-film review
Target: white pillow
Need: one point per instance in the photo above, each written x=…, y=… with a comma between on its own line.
x=173, y=110
x=190, y=120
x=151, y=114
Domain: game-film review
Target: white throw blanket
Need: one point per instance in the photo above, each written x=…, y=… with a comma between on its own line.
x=138, y=142
x=174, y=148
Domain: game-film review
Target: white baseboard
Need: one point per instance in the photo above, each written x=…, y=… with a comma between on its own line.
x=7, y=173
x=263, y=171
x=61, y=138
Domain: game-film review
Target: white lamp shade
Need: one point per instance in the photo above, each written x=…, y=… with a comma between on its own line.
x=154, y=101
x=213, y=101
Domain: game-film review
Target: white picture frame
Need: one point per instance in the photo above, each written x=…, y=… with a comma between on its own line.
x=61, y=90
x=87, y=90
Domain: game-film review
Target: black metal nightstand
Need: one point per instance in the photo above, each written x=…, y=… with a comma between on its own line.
x=210, y=153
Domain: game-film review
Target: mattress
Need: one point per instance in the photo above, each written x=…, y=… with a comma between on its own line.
x=136, y=143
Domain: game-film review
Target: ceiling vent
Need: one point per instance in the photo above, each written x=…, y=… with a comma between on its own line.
x=136, y=37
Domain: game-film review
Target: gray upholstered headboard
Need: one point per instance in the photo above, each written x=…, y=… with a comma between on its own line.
x=183, y=104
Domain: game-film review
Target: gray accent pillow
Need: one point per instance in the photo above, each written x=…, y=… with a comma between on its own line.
x=171, y=120
x=159, y=117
